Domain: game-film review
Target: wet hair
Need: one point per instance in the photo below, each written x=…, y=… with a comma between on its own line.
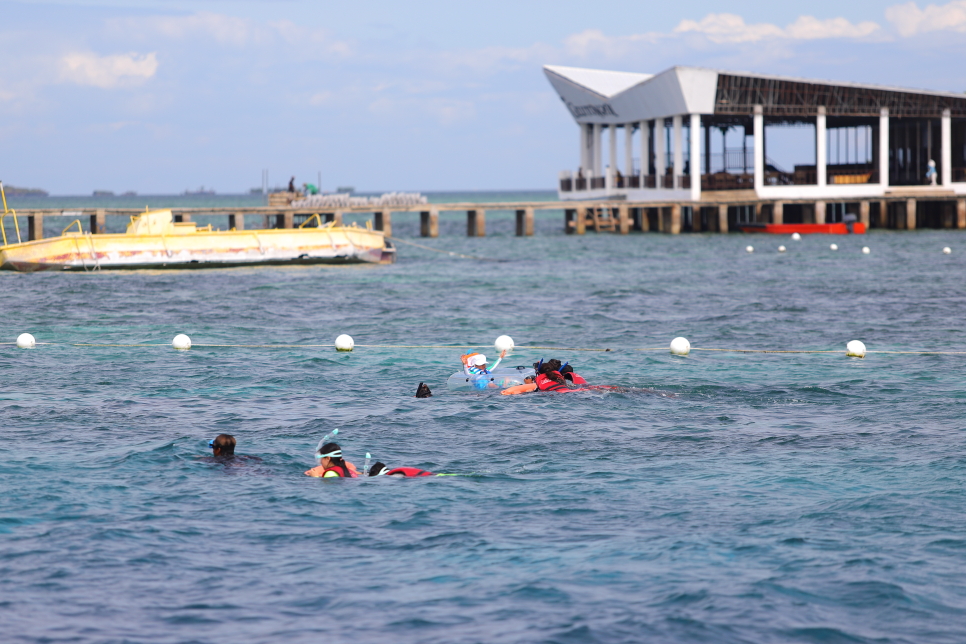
x=423, y=391
x=225, y=443
x=377, y=468
x=566, y=369
x=550, y=365
x=328, y=448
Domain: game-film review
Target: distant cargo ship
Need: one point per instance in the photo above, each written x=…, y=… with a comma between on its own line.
x=200, y=191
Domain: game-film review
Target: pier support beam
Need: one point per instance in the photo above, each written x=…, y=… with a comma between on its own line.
x=236, y=220
x=722, y=218
x=581, y=225
x=525, y=222
x=476, y=223
x=883, y=214
x=961, y=213
x=910, y=214
x=623, y=219
x=819, y=212
x=778, y=212
x=864, y=214
x=334, y=217
x=696, y=212
x=429, y=223
x=569, y=216
x=675, y=219
x=99, y=222
x=288, y=220
x=384, y=222
x=35, y=226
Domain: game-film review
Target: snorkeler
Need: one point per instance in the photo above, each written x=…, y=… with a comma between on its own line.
x=549, y=377
x=423, y=391
x=474, y=364
x=380, y=469
x=222, y=448
x=331, y=464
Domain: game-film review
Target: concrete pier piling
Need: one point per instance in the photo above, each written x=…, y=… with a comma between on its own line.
x=429, y=223
x=35, y=226
x=524, y=222
x=99, y=222
x=476, y=223
x=236, y=221
x=383, y=222
x=910, y=214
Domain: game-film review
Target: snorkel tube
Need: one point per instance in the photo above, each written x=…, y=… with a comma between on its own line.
x=325, y=439
x=365, y=468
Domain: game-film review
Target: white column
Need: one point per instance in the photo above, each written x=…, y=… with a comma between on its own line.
x=660, y=157
x=883, y=149
x=695, y=159
x=821, y=157
x=628, y=149
x=946, y=152
x=597, y=150
x=759, y=135
x=645, y=134
x=678, y=148
x=612, y=144
x=584, y=162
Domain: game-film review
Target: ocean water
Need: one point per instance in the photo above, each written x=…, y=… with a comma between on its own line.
x=723, y=497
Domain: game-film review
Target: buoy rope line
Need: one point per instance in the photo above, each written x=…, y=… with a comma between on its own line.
x=481, y=346
x=451, y=253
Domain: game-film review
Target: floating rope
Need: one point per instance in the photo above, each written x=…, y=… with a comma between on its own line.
x=483, y=346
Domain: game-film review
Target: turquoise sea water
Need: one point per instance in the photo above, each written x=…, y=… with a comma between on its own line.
x=768, y=498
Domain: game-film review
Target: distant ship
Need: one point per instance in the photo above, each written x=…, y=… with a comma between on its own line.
x=200, y=191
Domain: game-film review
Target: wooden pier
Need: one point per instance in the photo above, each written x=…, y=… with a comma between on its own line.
x=713, y=213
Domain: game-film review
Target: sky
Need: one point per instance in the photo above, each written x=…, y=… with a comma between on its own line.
x=160, y=96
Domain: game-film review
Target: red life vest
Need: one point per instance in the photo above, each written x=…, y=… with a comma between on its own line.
x=544, y=383
x=576, y=379
x=408, y=471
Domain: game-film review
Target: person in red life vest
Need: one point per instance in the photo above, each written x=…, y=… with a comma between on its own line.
x=331, y=464
x=380, y=469
x=570, y=375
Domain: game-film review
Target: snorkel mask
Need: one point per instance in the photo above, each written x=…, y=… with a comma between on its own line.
x=325, y=439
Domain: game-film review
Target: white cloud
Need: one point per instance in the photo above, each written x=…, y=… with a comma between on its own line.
x=85, y=68
x=730, y=28
x=910, y=20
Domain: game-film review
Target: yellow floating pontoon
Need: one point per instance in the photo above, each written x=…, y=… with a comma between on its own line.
x=155, y=240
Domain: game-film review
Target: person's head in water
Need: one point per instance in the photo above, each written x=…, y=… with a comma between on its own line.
x=423, y=391
x=378, y=469
x=222, y=445
x=550, y=365
x=330, y=455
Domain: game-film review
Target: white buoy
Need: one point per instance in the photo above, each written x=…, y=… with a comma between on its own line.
x=749, y=249
x=181, y=342
x=680, y=346
x=796, y=237
x=781, y=249
x=26, y=341
x=344, y=343
x=866, y=250
x=855, y=349
x=504, y=343
x=833, y=247
x=947, y=250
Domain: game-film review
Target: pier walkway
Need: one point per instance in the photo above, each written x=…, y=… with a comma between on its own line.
x=722, y=212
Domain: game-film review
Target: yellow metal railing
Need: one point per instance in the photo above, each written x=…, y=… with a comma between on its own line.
x=318, y=222
x=80, y=229
x=16, y=224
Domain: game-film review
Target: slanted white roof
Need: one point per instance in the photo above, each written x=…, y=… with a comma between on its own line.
x=599, y=81
x=609, y=97
x=597, y=96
